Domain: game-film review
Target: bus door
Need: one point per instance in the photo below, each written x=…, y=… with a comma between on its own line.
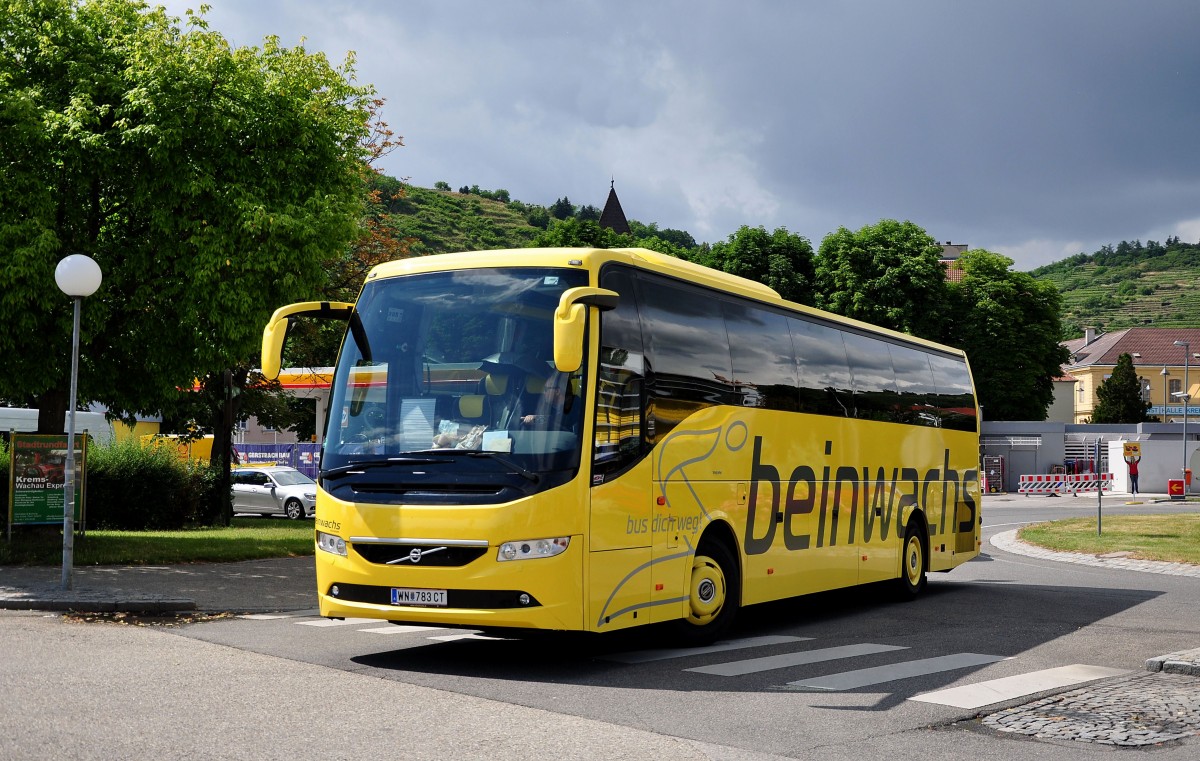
x=620, y=568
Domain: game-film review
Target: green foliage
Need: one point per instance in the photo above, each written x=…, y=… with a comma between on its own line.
x=887, y=274
x=1166, y=293
x=538, y=217
x=584, y=233
x=562, y=208
x=438, y=222
x=210, y=183
x=1008, y=323
x=680, y=238
x=1119, y=397
x=440, y=185
x=134, y=487
x=246, y=539
x=779, y=259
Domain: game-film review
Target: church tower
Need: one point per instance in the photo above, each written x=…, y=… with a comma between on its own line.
x=613, y=217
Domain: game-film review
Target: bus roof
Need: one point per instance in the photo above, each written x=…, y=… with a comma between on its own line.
x=594, y=258
x=584, y=258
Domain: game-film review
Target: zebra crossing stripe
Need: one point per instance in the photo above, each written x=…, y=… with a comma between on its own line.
x=458, y=637
x=1009, y=687
x=787, y=660
x=647, y=656
x=851, y=680
x=402, y=629
x=324, y=622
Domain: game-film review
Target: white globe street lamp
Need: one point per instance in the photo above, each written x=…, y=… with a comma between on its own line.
x=78, y=276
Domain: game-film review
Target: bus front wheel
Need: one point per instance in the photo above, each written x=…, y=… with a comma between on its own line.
x=913, y=563
x=712, y=595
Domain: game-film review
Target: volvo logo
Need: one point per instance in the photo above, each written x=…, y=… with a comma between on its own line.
x=415, y=554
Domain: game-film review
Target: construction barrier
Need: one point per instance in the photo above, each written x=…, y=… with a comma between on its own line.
x=1065, y=483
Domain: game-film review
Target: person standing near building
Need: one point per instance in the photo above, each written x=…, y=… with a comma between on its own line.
x=1133, y=473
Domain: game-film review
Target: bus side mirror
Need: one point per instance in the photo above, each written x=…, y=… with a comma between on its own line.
x=570, y=319
x=277, y=328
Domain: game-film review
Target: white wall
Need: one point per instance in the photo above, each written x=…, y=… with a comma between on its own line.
x=25, y=421
x=1161, y=460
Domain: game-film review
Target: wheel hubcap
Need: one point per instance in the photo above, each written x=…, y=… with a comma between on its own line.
x=707, y=590
x=914, y=560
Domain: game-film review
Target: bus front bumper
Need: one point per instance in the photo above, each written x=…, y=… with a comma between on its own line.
x=544, y=593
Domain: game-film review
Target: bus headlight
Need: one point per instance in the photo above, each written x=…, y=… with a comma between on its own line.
x=330, y=543
x=533, y=548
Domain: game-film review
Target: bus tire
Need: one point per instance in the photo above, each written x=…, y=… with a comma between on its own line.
x=913, y=563
x=713, y=593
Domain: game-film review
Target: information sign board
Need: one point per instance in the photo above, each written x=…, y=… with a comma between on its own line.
x=36, y=475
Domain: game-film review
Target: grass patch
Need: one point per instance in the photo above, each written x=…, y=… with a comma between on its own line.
x=246, y=539
x=1171, y=538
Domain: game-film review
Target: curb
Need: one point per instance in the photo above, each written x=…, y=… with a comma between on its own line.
x=1182, y=662
x=90, y=600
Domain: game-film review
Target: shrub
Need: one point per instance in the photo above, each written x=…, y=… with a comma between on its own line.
x=132, y=487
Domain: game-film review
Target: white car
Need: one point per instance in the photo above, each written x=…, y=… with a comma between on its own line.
x=273, y=490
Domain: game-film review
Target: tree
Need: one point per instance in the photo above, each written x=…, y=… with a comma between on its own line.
x=1119, y=397
x=888, y=274
x=781, y=260
x=572, y=232
x=1009, y=325
x=562, y=208
x=210, y=183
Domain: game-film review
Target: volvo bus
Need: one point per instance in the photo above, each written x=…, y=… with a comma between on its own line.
x=591, y=440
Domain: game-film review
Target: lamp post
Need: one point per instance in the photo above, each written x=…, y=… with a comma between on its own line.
x=1166, y=392
x=78, y=276
x=1187, y=355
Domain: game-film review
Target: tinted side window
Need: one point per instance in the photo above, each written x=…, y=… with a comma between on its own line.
x=688, y=349
x=914, y=381
x=619, y=380
x=823, y=374
x=875, y=394
x=954, y=400
x=764, y=365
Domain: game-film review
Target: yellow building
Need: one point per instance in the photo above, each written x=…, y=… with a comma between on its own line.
x=1167, y=362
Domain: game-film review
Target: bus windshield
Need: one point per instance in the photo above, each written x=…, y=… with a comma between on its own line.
x=454, y=371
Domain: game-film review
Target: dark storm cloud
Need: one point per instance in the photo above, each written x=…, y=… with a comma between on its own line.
x=1038, y=129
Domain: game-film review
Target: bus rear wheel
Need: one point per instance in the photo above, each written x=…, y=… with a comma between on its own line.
x=712, y=595
x=913, y=563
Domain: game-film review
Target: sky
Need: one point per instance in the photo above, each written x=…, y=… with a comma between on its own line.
x=1037, y=129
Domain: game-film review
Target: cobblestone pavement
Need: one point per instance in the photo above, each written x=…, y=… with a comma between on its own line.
x=1132, y=711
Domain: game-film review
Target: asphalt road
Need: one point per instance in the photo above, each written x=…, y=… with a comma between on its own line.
x=298, y=687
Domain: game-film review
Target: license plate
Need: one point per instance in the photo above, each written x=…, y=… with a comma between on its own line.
x=406, y=596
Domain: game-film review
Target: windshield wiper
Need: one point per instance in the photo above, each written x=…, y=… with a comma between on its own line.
x=516, y=468
x=358, y=467
x=529, y=474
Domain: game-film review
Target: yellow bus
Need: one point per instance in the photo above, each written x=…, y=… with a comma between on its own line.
x=590, y=440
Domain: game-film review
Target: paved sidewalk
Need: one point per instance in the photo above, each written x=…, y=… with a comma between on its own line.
x=253, y=586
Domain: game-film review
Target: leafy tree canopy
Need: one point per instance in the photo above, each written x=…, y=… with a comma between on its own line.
x=210, y=183
x=781, y=260
x=1009, y=325
x=888, y=274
